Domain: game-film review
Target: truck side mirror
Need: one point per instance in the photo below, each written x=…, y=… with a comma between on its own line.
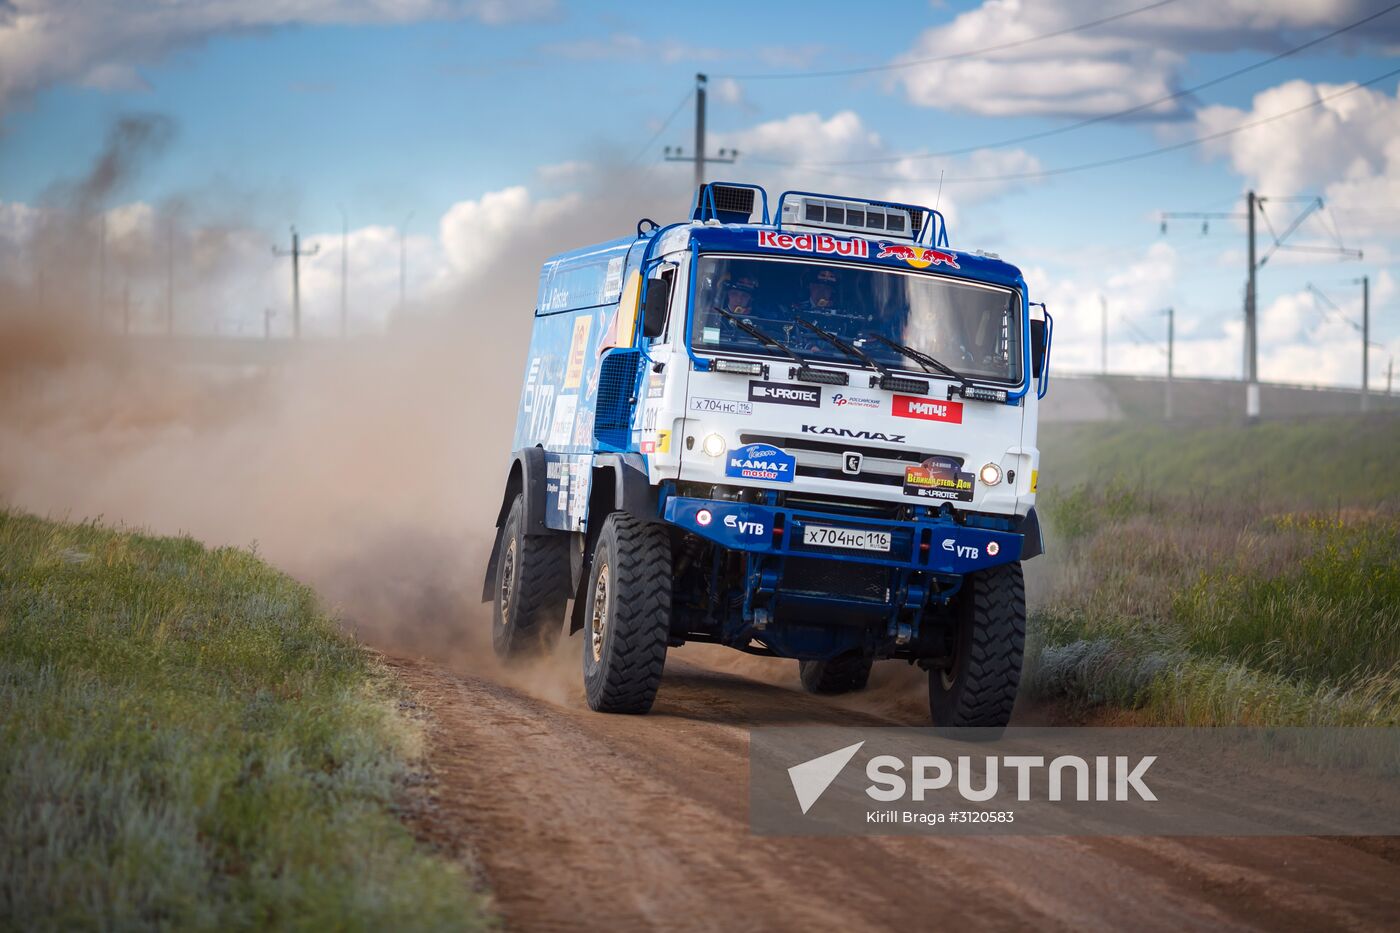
x=1037, y=348
x=654, y=314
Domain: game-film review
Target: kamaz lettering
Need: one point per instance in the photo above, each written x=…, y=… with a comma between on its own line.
x=849, y=432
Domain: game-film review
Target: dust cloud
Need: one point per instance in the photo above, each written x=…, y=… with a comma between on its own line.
x=369, y=468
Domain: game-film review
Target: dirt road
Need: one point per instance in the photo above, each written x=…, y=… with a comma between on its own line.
x=585, y=821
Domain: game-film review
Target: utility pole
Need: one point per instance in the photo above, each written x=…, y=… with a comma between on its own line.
x=344, y=270
x=170, y=277
x=1103, y=335
x=403, y=261
x=1255, y=203
x=1389, y=371
x=267, y=323
x=1171, y=346
x=677, y=154
x=1365, y=343
x=1251, y=343
x=296, y=252
x=1364, y=328
x=101, y=312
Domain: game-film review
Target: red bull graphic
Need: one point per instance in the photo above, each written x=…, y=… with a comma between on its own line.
x=822, y=243
x=920, y=257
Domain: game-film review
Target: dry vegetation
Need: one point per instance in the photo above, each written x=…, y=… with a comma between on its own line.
x=1177, y=601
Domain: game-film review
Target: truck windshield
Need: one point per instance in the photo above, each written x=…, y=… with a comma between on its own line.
x=973, y=328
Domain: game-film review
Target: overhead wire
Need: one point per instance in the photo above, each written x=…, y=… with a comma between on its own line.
x=662, y=128
x=1119, y=160
x=953, y=56
x=1101, y=118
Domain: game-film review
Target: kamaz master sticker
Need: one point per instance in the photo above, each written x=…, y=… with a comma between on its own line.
x=761, y=462
x=939, y=478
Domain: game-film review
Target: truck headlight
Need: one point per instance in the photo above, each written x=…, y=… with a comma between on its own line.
x=713, y=444
x=990, y=474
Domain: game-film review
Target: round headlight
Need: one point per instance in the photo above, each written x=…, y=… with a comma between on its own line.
x=713, y=444
x=990, y=475
x=703, y=517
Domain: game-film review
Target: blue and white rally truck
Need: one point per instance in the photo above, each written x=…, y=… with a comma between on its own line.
x=809, y=434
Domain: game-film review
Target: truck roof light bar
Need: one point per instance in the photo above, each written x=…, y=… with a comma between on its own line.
x=892, y=383
x=741, y=367
x=831, y=377
x=888, y=220
x=978, y=393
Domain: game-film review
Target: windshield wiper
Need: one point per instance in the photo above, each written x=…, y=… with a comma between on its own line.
x=887, y=380
x=805, y=371
x=923, y=359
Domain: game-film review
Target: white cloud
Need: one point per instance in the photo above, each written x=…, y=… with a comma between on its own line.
x=1347, y=149
x=102, y=42
x=779, y=146
x=1125, y=63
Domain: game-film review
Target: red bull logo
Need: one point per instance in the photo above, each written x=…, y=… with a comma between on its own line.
x=920, y=257
x=815, y=243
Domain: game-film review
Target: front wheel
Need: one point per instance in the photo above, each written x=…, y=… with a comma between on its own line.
x=988, y=638
x=628, y=615
x=532, y=588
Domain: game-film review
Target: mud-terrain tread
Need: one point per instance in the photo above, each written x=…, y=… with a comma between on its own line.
x=996, y=601
x=542, y=569
x=639, y=624
x=845, y=673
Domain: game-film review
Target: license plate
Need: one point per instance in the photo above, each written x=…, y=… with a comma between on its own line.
x=826, y=536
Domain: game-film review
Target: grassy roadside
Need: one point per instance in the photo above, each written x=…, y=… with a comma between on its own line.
x=189, y=742
x=1184, y=592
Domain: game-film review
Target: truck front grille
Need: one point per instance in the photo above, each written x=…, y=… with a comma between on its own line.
x=881, y=466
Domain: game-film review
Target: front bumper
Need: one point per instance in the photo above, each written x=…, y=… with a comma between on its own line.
x=938, y=547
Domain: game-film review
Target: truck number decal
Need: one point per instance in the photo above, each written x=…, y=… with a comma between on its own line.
x=721, y=406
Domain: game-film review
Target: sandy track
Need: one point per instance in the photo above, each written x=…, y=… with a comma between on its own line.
x=584, y=821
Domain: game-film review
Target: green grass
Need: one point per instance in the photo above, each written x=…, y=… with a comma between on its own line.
x=1176, y=602
x=1317, y=463
x=188, y=742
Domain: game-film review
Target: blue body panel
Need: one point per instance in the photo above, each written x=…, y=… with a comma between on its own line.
x=576, y=309
x=937, y=547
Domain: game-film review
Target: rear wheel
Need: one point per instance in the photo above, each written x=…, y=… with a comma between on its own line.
x=844, y=673
x=628, y=616
x=979, y=687
x=532, y=587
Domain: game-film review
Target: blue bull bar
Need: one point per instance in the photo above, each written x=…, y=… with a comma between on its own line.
x=934, y=546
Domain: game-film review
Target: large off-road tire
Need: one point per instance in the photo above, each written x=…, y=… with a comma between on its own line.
x=532, y=587
x=844, y=673
x=627, y=620
x=979, y=688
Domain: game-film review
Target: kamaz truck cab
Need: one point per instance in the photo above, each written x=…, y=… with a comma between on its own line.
x=809, y=434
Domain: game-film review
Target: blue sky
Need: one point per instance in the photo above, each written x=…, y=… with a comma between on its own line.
x=437, y=107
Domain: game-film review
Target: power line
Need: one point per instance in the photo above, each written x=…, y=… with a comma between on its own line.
x=955, y=56
x=662, y=128
x=1031, y=137
x=1105, y=163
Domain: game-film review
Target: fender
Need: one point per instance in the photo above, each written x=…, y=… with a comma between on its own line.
x=525, y=477
x=632, y=490
x=1029, y=527
x=629, y=491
